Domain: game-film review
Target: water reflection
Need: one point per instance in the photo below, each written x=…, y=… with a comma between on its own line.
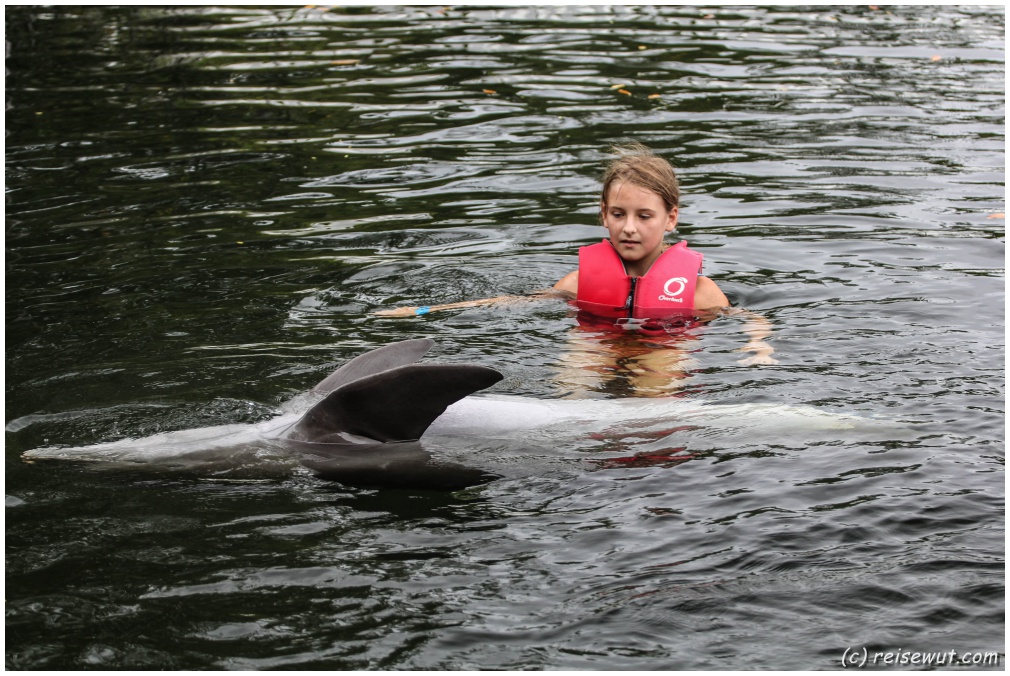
x=626, y=365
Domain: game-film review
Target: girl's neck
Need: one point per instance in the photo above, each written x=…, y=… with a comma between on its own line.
x=641, y=268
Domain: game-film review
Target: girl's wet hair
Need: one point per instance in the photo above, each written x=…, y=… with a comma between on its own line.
x=636, y=164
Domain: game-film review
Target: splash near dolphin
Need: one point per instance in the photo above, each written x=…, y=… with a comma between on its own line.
x=383, y=419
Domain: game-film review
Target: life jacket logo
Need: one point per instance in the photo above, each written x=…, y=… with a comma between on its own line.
x=673, y=288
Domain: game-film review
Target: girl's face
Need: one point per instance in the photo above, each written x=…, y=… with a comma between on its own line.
x=637, y=219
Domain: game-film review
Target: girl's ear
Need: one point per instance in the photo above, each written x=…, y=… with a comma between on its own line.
x=603, y=213
x=671, y=223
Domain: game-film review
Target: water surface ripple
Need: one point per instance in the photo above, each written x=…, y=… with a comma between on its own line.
x=206, y=204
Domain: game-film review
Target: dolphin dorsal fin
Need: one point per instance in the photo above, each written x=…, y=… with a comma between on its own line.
x=394, y=405
x=378, y=360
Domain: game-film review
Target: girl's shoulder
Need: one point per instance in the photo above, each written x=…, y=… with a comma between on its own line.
x=708, y=295
x=569, y=282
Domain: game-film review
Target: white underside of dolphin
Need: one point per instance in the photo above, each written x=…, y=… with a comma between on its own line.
x=381, y=419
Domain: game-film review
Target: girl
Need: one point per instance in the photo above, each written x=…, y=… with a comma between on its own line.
x=620, y=278
x=632, y=276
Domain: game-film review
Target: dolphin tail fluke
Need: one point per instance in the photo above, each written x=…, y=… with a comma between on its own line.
x=395, y=405
x=379, y=360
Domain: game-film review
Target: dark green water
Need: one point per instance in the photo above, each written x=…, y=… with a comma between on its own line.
x=205, y=205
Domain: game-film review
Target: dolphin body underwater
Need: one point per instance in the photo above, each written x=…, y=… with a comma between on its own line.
x=377, y=419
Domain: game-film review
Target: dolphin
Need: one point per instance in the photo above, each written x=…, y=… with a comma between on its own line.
x=383, y=419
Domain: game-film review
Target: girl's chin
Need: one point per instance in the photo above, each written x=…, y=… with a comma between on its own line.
x=631, y=251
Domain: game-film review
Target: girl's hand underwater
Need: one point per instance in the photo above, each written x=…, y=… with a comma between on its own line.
x=758, y=360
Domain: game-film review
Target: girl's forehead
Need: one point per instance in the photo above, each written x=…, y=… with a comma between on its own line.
x=629, y=192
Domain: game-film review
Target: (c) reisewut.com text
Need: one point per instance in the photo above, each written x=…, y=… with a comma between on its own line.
x=862, y=657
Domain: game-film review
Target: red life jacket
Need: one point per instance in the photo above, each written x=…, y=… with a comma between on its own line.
x=666, y=291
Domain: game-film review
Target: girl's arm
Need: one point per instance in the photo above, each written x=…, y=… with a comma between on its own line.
x=497, y=300
x=709, y=299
